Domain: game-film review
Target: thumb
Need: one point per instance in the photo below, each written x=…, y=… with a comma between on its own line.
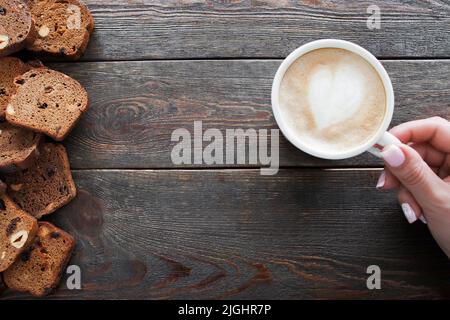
x=413, y=172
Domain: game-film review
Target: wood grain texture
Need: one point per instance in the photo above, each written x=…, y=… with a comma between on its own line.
x=304, y=233
x=184, y=29
x=236, y=234
x=135, y=106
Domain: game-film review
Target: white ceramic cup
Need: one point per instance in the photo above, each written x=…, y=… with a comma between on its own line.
x=379, y=140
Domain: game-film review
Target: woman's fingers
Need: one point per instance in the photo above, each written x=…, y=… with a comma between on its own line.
x=388, y=181
x=444, y=170
x=411, y=209
x=432, y=156
x=414, y=174
x=435, y=131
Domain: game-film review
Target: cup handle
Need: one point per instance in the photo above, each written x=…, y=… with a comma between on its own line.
x=385, y=140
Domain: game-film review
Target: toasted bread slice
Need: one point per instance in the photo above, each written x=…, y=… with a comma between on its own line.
x=63, y=27
x=47, y=101
x=18, y=147
x=44, y=187
x=38, y=270
x=10, y=68
x=16, y=26
x=17, y=231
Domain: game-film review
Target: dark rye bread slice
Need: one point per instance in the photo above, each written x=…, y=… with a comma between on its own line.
x=16, y=26
x=63, y=27
x=46, y=186
x=17, y=231
x=47, y=101
x=10, y=68
x=18, y=147
x=38, y=270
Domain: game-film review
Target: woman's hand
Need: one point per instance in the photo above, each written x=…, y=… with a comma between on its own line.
x=420, y=170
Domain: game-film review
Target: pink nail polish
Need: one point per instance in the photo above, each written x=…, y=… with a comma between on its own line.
x=393, y=155
x=409, y=213
x=381, y=180
x=422, y=218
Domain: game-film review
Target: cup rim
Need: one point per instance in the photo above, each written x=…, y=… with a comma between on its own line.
x=339, y=44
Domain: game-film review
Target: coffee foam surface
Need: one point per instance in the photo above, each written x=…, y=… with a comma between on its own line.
x=333, y=99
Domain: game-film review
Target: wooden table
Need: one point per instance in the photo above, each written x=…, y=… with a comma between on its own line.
x=146, y=228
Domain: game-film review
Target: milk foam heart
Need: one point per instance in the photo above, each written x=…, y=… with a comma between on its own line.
x=335, y=93
x=332, y=99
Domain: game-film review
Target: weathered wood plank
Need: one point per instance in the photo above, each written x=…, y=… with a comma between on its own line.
x=236, y=234
x=162, y=29
x=137, y=105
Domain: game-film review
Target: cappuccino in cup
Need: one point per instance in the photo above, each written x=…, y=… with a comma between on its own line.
x=334, y=100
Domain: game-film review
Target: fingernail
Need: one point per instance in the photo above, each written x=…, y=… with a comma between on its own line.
x=393, y=155
x=409, y=213
x=381, y=180
x=422, y=218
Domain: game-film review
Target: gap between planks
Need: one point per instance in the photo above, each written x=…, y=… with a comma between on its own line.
x=212, y=169
x=400, y=58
